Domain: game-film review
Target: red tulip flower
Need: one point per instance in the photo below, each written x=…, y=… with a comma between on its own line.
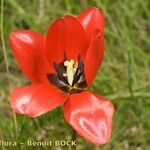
x=61, y=66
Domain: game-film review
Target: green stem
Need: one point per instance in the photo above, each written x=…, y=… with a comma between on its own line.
x=20, y=133
x=73, y=138
x=15, y=124
x=6, y=61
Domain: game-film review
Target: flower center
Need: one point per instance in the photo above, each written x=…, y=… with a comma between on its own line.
x=69, y=76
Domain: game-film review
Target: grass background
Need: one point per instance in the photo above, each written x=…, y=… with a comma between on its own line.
x=124, y=77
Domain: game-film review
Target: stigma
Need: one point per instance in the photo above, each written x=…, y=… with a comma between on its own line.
x=71, y=67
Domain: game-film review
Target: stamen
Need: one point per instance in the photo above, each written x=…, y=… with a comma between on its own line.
x=71, y=68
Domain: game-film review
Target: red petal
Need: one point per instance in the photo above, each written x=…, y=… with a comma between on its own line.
x=65, y=35
x=94, y=56
x=28, y=49
x=36, y=100
x=91, y=19
x=90, y=116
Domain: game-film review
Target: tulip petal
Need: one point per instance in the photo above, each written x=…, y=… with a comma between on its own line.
x=36, y=100
x=91, y=19
x=90, y=115
x=65, y=36
x=28, y=48
x=94, y=56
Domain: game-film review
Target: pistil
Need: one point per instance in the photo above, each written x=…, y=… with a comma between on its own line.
x=71, y=68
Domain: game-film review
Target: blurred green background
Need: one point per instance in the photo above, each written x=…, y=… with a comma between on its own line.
x=124, y=77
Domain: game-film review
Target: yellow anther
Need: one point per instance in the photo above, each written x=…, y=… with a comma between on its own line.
x=72, y=61
x=70, y=70
x=75, y=65
x=66, y=63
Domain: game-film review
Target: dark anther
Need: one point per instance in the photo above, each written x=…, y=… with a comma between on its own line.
x=60, y=69
x=79, y=77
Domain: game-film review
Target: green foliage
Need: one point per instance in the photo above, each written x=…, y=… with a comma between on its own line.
x=124, y=76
